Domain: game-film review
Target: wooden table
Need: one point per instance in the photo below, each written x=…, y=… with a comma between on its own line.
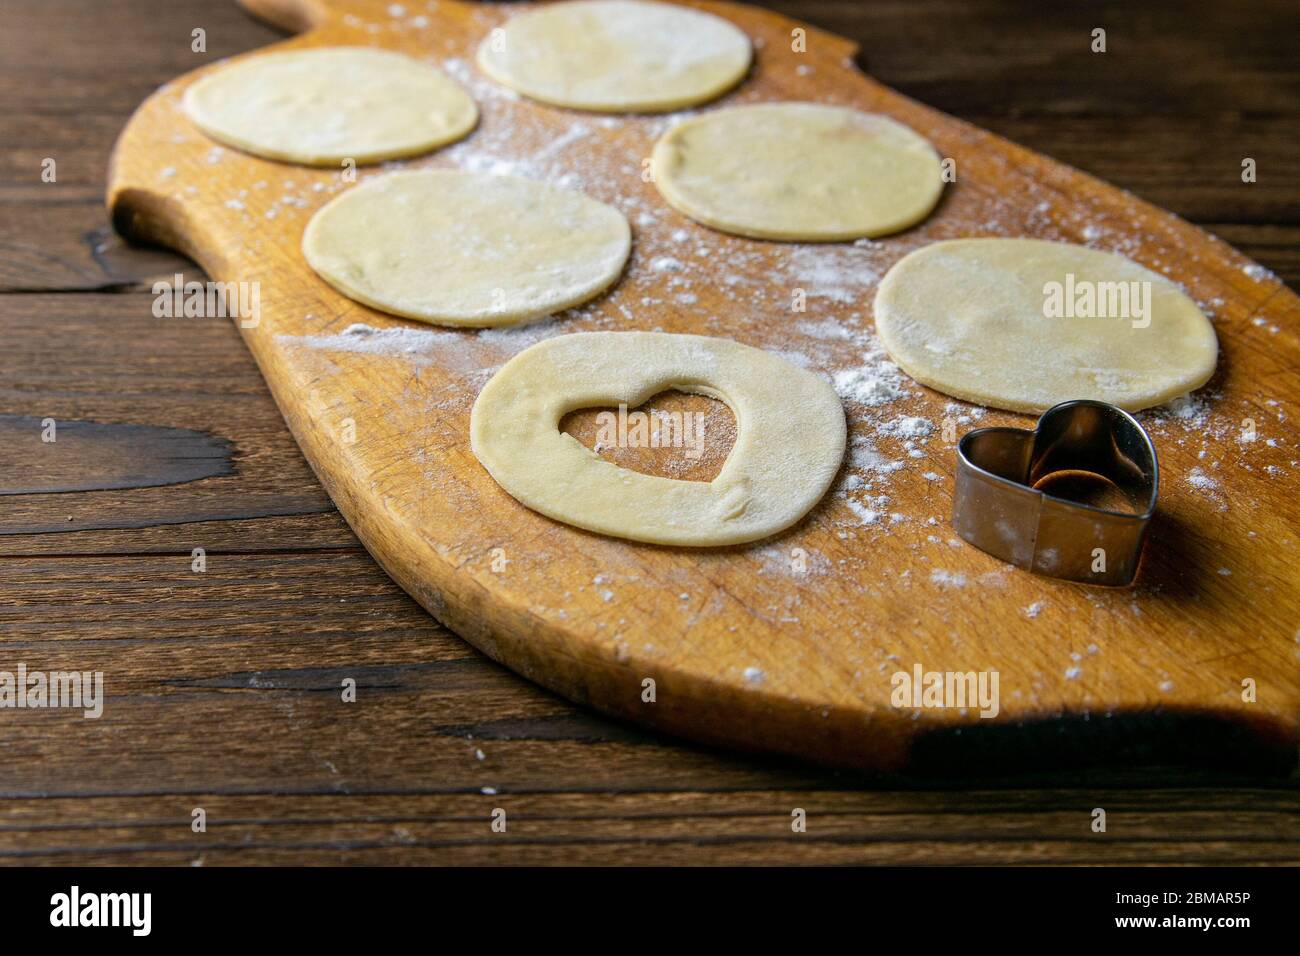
x=223, y=687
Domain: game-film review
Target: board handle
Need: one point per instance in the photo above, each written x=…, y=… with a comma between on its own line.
x=292, y=16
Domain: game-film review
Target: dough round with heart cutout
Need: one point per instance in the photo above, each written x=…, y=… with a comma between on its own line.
x=617, y=55
x=1007, y=323
x=798, y=171
x=324, y=106
x=472, y=249
x=788, y=447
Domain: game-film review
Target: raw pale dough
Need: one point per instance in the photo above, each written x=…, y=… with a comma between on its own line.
x=798, y=171
x=321, y=107
x=789, y=436
x=458, y=248
x=617, y=55
x=966, y=317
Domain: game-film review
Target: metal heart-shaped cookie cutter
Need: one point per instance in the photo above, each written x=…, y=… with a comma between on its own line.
x=997, y=508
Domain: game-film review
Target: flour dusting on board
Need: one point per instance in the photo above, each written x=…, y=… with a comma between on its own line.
x=475, y=351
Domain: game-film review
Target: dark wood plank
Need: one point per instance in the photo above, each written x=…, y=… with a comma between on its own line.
x=84, y=358
x=46, y=456
x=53, y=245
x=708, y=828
x=1015, y=57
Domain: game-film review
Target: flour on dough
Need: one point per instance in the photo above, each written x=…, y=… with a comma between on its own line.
x=968, y=318
x=323, y=106
x=460, y=248
x=617, y=55
x=798, y=171
x=789, y=439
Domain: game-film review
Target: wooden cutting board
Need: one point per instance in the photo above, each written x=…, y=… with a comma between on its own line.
x=788, y=645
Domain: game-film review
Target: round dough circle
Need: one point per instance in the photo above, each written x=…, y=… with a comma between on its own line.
x=458, y=248
x=789, y=438
x=321, y=107
x=967, y=317
x=617, y=55
x=798, y=171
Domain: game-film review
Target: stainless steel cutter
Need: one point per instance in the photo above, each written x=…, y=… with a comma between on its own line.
x=998, y=509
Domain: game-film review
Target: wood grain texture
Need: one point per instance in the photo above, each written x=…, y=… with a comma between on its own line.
x=645, y=829
x=46, y=456
x=1217, y=599
x=592, y=790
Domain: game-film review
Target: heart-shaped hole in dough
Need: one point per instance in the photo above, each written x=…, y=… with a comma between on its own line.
x=672, y=435
x=789, y=442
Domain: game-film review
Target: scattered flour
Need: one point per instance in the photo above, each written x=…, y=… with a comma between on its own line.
x=1188, y=410
x=870, y=385
x=466, y=351
x=948, y=579
x=1199, y=480
x=907, y=426
x=864, y=457
x=865, y=514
